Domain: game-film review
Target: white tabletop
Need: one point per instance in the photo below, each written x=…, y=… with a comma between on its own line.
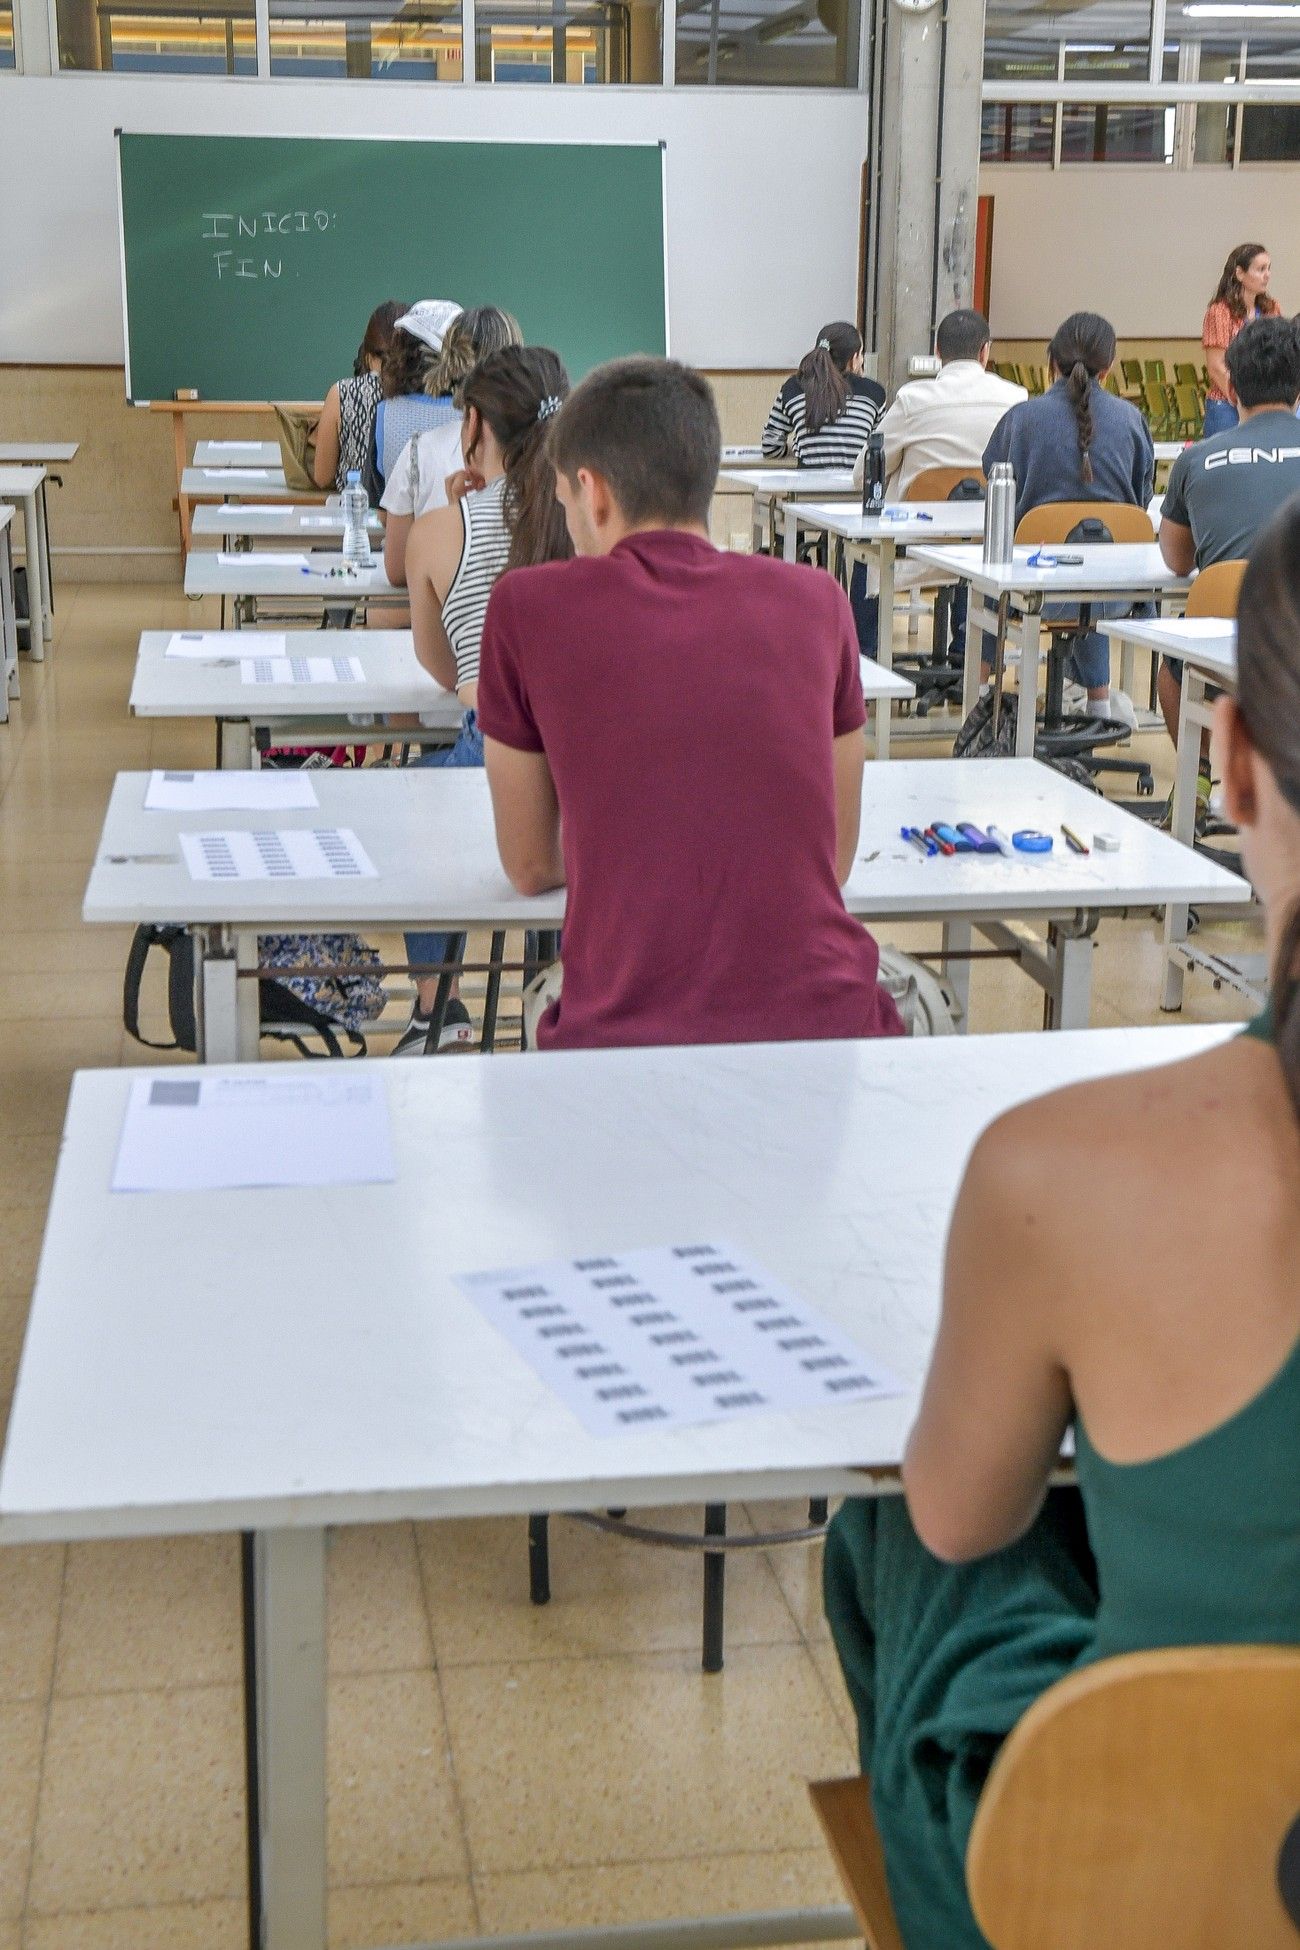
x=772, y=483
x=223, y=484
x=307, y=523
x=178, y=687
x=217, y=1384
x=37, y=452
x=1118, y=568
x=1209, y=642
x=1170, y=449
x=238, y=453
x=429, y=832
x=906, y=522
x=21, y=480
x=257, y=573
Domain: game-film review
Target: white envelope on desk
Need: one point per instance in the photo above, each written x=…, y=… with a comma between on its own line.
x=266, y=558
x=223, y=646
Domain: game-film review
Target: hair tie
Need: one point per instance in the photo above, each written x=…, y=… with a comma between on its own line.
x=550, y=405
x=823, y=345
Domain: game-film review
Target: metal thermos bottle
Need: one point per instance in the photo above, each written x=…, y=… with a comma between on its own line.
x=873, y=476
x=1000, y=514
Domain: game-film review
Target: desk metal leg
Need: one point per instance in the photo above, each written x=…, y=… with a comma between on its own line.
x=1028, y=708
x=1187, y=761
x=43, y=550
x=884, y=637
x=790, y=548
x=234, y=745
x=284, y=1603
x=37, y=621
x=976, y=617
x=8, y=626
x=1068, y=1001
x=957, y=937
x=226, y=1008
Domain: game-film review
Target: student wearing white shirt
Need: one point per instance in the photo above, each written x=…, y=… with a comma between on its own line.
x=419, y=479
x=943, y=422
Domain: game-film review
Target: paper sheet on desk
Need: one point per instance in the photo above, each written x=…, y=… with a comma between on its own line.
x=301, y=670
x=187, y=1133
x=235, y=446
x=671, y=1336
x=287, y=853
x=265, y=558
x=254, y=508
x=223, y=646
x=246, y=473
x=230, y=792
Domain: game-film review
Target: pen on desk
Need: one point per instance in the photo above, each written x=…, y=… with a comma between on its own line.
x=1072, y=840
x=1000, y=840
x=917, y=840
x=945, y=847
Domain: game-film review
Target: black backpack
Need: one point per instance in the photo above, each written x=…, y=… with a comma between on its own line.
x=283, y=1014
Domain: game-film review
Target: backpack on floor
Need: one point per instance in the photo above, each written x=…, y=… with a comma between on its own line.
x=977, y=738
x=284, y=1011
x=926, y=1004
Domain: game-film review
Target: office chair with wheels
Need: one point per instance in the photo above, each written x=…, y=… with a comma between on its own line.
x=1063, y=735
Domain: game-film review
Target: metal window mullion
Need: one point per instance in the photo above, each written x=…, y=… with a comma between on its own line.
x=468, y=43
x=1058, y=110
x=1238, y=110
x=669, y=50
x=262, y=30
x=36, y=37
x=1156, y=60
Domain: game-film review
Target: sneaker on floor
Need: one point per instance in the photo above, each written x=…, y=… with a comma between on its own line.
x=457, y=1032
x=1116, y=707
x=1204, y=789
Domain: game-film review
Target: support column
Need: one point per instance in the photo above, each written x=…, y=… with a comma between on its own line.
x=924, y=174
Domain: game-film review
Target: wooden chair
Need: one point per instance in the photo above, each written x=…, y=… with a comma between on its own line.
x=937, y=483
x=1146, y=1803
x=844, y=1810
x=1216, y=590
x=1061, y=736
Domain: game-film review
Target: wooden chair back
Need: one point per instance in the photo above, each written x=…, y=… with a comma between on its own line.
x=937, y=483
x=1216, y=590
x=844, y=1810
x=1144, y=1803
x=1053, y=521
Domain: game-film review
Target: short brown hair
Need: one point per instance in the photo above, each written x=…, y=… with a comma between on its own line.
x=650, y=427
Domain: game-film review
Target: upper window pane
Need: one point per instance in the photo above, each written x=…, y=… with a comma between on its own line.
x=768, y=43
x=1106, y=39
x=573, y=41
x=6, y=34
x=1016, y=132
x=365, y=39
x=158, y=36
x=1104, y=132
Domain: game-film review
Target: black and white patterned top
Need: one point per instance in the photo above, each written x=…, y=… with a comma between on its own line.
x=358, y=403
x=483, y=557
x=840, y=441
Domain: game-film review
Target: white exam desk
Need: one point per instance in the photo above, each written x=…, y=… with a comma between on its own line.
x=238, y=453
x=8, y=615
x=238, y=524
x=430, y=835
x=24, y=487
x=244, y=1398
x=238, y=484
x=1207, y=648
x=48, y=454
x=1129, y=572
x=394, y=684
x=772, y=487
x=253, y=577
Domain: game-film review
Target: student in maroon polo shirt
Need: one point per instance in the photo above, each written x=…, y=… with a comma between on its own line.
x=676, y=734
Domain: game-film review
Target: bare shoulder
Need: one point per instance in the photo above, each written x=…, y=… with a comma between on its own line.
x=434, y=546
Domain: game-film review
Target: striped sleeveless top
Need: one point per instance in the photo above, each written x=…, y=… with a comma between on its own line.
x=483, y=556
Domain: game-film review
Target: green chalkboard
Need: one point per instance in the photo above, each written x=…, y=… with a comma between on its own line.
x=250, y=264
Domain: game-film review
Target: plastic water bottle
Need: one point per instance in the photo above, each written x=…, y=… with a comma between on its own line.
x=873, y=476
x=356, y=513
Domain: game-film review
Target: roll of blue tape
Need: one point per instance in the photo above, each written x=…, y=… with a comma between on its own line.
x=1030, y=842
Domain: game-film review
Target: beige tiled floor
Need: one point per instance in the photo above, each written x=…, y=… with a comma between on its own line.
x=492, y=1767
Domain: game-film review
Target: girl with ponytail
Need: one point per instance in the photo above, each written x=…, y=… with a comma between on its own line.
x=825, y=412
x=1078, y=442
x=503, y=514
x=1167, y=1339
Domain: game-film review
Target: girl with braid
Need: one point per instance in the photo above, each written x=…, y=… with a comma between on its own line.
x=1176, y=1362
x=1077, y=442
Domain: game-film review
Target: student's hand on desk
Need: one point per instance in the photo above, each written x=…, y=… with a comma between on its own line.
x=464, y=481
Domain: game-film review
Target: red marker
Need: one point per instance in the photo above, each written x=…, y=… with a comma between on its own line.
x=944, y=846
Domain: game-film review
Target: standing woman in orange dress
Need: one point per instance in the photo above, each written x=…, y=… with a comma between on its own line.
x=1242, y=295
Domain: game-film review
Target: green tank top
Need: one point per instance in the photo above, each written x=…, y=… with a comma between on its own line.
x=1202, y=1546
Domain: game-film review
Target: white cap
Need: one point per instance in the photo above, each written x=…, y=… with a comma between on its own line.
x=428, y=321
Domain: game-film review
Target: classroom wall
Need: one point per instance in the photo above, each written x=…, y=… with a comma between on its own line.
x=736, y=296
x=1143, y=245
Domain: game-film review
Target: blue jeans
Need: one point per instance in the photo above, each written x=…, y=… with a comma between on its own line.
x=1220, y=414
x=866, y=611
x=467, y=750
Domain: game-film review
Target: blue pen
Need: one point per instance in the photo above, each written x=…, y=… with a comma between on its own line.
x=919, y=840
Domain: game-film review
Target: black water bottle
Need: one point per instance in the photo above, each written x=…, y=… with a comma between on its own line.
x=873, y=477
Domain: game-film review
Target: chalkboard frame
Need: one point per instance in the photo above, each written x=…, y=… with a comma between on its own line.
x=430, y=142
